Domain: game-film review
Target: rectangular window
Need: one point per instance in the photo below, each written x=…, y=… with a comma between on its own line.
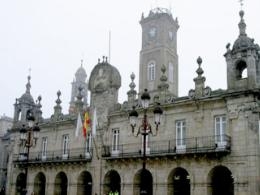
x=88, y=145
x=44, y=148
x=147, y=144
x=65, y=146
x=180, y=135
x=220, y=130
x=115, y=141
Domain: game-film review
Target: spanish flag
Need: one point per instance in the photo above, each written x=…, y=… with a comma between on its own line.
x=86, y=124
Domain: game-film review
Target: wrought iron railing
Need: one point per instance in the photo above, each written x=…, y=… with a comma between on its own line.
x=71, y=155
x=195, y=145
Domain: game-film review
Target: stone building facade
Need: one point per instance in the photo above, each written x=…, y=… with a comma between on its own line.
x=207, y=142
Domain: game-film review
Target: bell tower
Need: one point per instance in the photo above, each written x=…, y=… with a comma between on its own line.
x=159, y=47
x=243, y=61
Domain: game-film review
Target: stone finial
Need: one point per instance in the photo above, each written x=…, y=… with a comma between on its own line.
x=38, y=111
x=163, y=69
x=98, y=60
x=81, y=63
x=199, y=81
x=57, y=107
x=132, y=92
x=199, y=61
x=163, y=85
x=39, y=101
x=142, y=17
x=132, y=84
x=228, y=46
x=199, y=70
x=58, y=101
x=28, y=85
x=242, y=24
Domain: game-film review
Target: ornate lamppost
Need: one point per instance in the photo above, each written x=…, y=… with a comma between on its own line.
x=145, y=128
x=28, y=136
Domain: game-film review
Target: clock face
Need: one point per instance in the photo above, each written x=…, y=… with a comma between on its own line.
x=152, y=32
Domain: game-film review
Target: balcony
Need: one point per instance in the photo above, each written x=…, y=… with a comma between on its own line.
x=56, y=156
x=209, y=145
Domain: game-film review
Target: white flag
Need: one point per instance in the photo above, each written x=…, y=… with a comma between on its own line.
x=79, y=126
x=94, y=123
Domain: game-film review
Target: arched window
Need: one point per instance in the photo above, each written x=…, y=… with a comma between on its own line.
x=241, y=70
x=151, y=71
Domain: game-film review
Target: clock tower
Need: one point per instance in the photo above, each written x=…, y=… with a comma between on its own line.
x=159, y=47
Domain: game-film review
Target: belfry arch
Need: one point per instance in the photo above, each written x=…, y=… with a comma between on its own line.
x=241, y=70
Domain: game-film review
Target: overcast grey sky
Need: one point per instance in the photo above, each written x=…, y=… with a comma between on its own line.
x=52, y=36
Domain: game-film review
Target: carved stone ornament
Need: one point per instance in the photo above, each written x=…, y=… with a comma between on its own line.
x=207, y=91
x=191, y=93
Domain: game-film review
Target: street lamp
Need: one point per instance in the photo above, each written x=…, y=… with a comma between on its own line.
x=145, y=128
x=28, y=137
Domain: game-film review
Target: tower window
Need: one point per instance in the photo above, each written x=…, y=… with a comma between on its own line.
x=151, y=71
x=170, y=72
x=241, y=70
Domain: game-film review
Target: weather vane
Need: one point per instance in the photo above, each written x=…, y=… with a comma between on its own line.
x=241, y=3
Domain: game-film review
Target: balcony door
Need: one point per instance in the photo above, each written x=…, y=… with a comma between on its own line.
x=220, y=131
x=180, y=136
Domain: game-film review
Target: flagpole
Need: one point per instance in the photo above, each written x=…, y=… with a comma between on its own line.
x=95, y=145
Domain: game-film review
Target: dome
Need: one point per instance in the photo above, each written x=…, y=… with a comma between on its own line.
x=104, y=76
x=81, y=72
x=26, y=98
x=243, y=42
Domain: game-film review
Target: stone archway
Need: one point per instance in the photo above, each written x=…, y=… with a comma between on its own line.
x=20, y=184
x=39, y=184
x=60, y=184
x=143, y=183
x=221, y=181
x=112, y=182
x=179, y=182
x=84, y=184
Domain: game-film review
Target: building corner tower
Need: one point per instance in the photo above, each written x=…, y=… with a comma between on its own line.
x=159, y=47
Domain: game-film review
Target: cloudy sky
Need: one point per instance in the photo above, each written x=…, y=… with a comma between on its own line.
x=50, y=37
